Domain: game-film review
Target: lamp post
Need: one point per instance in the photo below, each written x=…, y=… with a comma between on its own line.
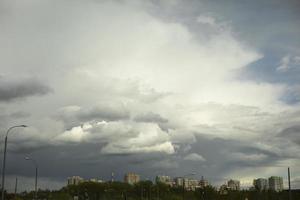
x=4, y=157
x=190, y=174
x=36, y=175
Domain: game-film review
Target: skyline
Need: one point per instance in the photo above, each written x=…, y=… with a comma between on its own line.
x=155, y=87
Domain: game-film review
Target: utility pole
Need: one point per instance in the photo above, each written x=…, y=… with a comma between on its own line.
x=289, y=179
x=157, y=191
x=4, y=158
x=16, y=187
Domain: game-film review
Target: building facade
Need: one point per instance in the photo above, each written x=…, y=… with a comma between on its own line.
x=261, y=184
x=203, y=183
x=233, y=184
x=178, y=181
x=193, y=184
x=75, y=180
x=131, y=178
x=164, y=179
x=276, y=183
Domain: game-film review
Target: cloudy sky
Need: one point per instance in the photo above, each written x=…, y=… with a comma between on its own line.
x=154, y=87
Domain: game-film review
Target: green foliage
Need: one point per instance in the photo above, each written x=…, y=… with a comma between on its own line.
x=146, y=190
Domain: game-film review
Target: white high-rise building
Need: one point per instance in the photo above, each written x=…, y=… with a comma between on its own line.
x=276, y=183
x=75, y=180
x=164, y=179
x=178, y=181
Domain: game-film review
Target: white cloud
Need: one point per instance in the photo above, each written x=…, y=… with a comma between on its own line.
x=248, y=157
x=120, y=137
x=206, y=20
x=284, y=63
x=194, y=157
x=287, y=62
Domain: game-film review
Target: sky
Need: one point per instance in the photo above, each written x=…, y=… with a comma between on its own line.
x=166, y=87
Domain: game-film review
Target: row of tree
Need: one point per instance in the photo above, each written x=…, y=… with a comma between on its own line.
x=146, y=190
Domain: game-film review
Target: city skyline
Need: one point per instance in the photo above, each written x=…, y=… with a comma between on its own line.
x=274, y=183
x=151, y=87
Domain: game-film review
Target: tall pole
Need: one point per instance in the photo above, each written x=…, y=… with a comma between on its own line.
x=36, y=175
x=183, y=188
x=4, y=158
x=16, y=187
x=35, y=185
x=3, y=168
x=289, y=179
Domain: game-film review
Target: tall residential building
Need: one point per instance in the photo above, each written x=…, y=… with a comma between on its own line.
x=131, y=178
x=75, y=180
x=164, y=179
x=261, y=184
x=178, y=181
x=193, y=184
x=187, y=183
x=203, y=183
x=276, y=183
x=233, y=184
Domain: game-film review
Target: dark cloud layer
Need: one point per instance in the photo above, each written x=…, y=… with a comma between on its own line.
x=17, y=89
x=150, y=117
x=291, y=133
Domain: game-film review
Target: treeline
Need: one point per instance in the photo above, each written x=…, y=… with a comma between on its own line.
x=146, y=190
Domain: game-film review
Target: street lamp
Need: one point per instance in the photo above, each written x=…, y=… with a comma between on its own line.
x=190, y=174
x=36, y=175
x=4, y=156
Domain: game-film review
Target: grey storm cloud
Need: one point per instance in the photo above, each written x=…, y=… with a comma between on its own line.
x=150, y=117
x=104, y=113
x=17, y=89
x=75, y=115
x=291, y=133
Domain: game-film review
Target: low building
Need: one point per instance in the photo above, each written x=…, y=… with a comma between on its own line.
x=233, y=184
x=178, y=181
x=276, y=183
x=223, y=189
x=131, y=178
x=164, y=179
x=193, y=184
x=203, y=183
x=95, y=180
x=75, y=180
x=261, y=184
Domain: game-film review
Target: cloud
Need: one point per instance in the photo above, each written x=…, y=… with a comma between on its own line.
x=284, y=64
x=292, y=133
x=194, y=157
x=19, y=114
x=150, y=117
x=206, y=20
x=11, y=89
x=247, y=157
x=120, y=137
x=74, y=115
x=288, y=62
